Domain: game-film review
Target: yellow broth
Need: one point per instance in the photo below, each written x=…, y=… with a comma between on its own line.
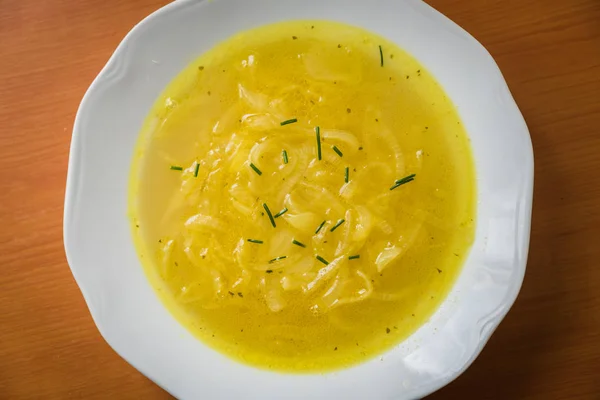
x=237, y=131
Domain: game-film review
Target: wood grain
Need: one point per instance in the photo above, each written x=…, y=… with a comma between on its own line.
x=547, y=348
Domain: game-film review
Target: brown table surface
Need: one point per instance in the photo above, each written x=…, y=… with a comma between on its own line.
x=548, y=347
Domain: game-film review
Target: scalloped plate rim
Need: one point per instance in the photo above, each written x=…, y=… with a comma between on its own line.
x=72, y=187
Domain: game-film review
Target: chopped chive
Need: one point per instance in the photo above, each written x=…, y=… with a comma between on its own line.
x=277, y=259
x=400, y=184
x=406, y=179
x=411, y=176
x=289, y=121
x=280, y=213
x=285, y=157
x=269, y=271
x=338, y=151
x=269, y=214
x=347, y=175
x=297, y=243
x=320, y=226
x=402, y=181
x=255, y=169
x=255, y=241
x=324, y=261
x=381, y=55
x=337, y=224
x=196, y=170
x=354, y=257
x=318, y=132
x=176, y=168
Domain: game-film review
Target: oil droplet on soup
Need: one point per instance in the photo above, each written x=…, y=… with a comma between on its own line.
x=303, y=195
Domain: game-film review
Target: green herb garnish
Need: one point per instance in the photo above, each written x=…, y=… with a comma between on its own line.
x=176, y=168
x=276, y=259
x=255, y=169
x=320, y=226
x=338, y=151
x=269, y=214
x=289, y=121
x=196, y=170
x=269, y=271
x=255, y=241
x=280, y=213
x=354, y=257
x=318, y=132
x=406, y=179
x=285, y=157
x=297, y=243
x=347, y=175
x=337, y=224
x=381, y=55
x=324, y=261
x=409, y=177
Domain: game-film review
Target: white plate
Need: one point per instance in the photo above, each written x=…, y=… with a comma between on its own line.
x=125, y=308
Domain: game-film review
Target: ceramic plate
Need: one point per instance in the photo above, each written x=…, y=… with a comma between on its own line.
x=98, y=240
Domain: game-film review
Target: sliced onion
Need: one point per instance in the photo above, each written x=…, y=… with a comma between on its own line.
x=331, y=296
x=386, y=256
x=243, y=280
x=217, y=282
x=259, y=122
x=193, y=256
x=274, y=300
x=293, y=172
x=349, y=287
x=239, y=158
x=201, y=222
x=325, y=273
x=241, y=199
x=364, y=224
x=272, y=294
x=363, y=290
x=345, y=238
x=239, y=253
x=292, y=282
x=392, y=144
x=349, y=142
x=304, y=222
x=394, y=250
x=296, y=281
x=281, y=243
x=306, y=197
x=167, y=258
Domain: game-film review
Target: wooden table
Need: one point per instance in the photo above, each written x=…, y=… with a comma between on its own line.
x=547, y=348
